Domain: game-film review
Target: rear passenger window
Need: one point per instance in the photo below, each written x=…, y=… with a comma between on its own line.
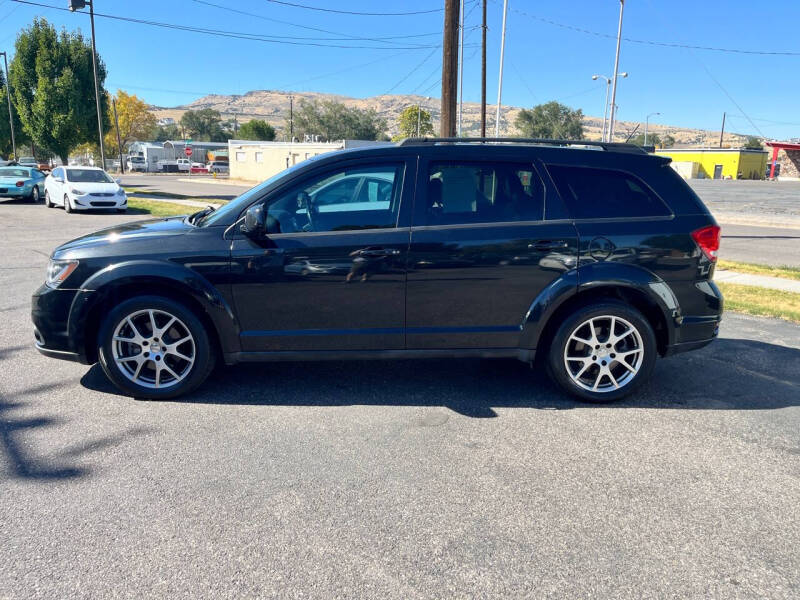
x=483, y=193
x=605, y=193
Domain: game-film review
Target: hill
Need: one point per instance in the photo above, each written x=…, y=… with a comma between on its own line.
x=273, y=107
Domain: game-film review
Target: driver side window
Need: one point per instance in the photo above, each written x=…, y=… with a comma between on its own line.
x=342, y=200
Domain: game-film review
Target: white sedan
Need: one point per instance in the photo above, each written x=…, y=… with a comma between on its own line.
x=83, y=188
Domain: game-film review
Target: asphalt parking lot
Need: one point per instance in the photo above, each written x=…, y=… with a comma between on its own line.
x=423, y=479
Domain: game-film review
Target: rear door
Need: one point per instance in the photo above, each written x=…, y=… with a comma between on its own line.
x=487, y=238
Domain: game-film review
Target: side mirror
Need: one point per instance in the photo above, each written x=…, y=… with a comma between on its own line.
x=118, y=181
x=255, y=218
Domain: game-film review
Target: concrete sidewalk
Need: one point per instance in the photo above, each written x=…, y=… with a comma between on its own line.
x=764, y=281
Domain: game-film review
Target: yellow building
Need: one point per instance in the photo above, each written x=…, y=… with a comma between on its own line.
x=720, y=163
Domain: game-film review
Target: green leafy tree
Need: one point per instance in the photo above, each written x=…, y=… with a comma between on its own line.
x=334, y=121
x=167, y=132
x=408, y=121
x=256, y=130
x=52, y=85
x=551, y=120
x=667, y=141
x=22, y=138
x=753, y=143
x=653, y=139
x=204, y=125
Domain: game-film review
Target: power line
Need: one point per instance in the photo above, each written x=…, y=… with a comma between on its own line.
x=357, y=13
x=228, y=34
x=346, y=38
x=413, y=70
x=652, y=42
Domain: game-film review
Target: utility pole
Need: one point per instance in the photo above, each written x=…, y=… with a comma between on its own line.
x=461, y=68
x=10, y=114
x=722, y=131
x=500, y=77
x=449, y=69
x=119, y=142
x=614, y=77
x=77, y=5
x=646, y=123
x=291, y=118
x=483, y=72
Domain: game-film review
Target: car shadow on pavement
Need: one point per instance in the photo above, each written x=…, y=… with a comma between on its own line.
x=20, y=455
x=730, y=374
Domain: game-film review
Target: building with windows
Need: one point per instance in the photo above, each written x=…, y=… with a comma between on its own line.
x=257, y=161
x=717, y=163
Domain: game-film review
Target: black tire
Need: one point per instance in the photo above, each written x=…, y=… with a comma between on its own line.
x=576, y=323
x=193, y=375
x=67, y=205
x=35, y=195
x=47, y=201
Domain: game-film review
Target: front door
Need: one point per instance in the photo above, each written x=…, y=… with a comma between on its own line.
x=330, y=274
x=481, y=252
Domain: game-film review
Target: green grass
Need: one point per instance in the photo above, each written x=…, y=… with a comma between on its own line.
x=740, y=267
x=157, y=208
x=761, y=301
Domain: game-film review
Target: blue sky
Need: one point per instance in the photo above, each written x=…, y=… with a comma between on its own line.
x=544, y=61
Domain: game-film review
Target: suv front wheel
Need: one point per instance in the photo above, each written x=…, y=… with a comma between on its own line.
x=154, y=347
x=602, y=352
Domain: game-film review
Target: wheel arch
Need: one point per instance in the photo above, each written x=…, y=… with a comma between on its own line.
x=151, y=278
x=632, y=285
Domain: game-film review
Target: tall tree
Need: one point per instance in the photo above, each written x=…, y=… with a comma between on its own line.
x=22, y=138
x=204, y=125
x=167, y=132
x=256, y=130
x=136, y=123
x=410, y=120
x=552, y=120
x=334, y=121
x=753, y=143
x=52, y=83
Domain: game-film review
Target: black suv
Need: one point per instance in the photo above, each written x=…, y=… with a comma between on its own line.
x=593, y=257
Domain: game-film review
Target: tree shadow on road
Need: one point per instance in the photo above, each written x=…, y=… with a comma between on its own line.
x=23, y=462
x=730, y=374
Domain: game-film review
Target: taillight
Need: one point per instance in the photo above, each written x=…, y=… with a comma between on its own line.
x=707, y=239
x=20, y=183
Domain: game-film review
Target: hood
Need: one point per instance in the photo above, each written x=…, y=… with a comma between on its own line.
x=120, y=234
x=93, y=188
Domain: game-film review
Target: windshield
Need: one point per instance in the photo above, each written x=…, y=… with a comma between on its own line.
x=232, y=209
x=14, y=173
x=88, y=176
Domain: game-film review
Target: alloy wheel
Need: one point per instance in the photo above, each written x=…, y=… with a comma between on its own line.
x=153, y=348
x=604, y=353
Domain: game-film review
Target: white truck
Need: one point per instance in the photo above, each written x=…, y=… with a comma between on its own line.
x=179, y=165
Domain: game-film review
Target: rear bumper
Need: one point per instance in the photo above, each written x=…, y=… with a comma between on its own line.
x=15, y=192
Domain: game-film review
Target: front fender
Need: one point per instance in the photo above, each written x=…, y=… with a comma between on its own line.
x=177, y=278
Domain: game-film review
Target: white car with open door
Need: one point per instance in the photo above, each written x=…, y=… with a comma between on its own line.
x=83, y=188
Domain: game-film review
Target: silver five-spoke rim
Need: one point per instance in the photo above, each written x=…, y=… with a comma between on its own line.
x=603, y=354
x=153, y=348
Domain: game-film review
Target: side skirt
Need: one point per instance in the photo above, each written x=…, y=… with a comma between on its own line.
x=524, y=355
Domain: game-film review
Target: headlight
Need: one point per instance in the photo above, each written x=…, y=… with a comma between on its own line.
x=58, y=271
x=121, y=192
x=77, y=192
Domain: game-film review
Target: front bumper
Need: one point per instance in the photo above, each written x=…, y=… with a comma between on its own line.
x=93, y=202
x=50, y=313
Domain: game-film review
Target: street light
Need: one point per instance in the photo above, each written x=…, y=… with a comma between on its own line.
x=605, y=106
x=77, y=5
x=10, y=115
x=646, y=122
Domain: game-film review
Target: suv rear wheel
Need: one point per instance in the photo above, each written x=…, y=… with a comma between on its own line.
x=154, y=347
x=602, y=352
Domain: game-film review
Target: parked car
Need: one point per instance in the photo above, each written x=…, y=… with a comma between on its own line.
x=218, y=166
x=83, y=188
x=589, y=261
x=18, y=181
x=30, y=161
x=136, y=163
x=198, y=167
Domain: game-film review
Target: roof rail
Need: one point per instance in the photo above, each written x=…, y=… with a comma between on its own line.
x=608, y=146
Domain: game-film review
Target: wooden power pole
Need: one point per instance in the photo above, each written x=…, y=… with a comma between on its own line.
x=483, y=73
x=449, y=69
